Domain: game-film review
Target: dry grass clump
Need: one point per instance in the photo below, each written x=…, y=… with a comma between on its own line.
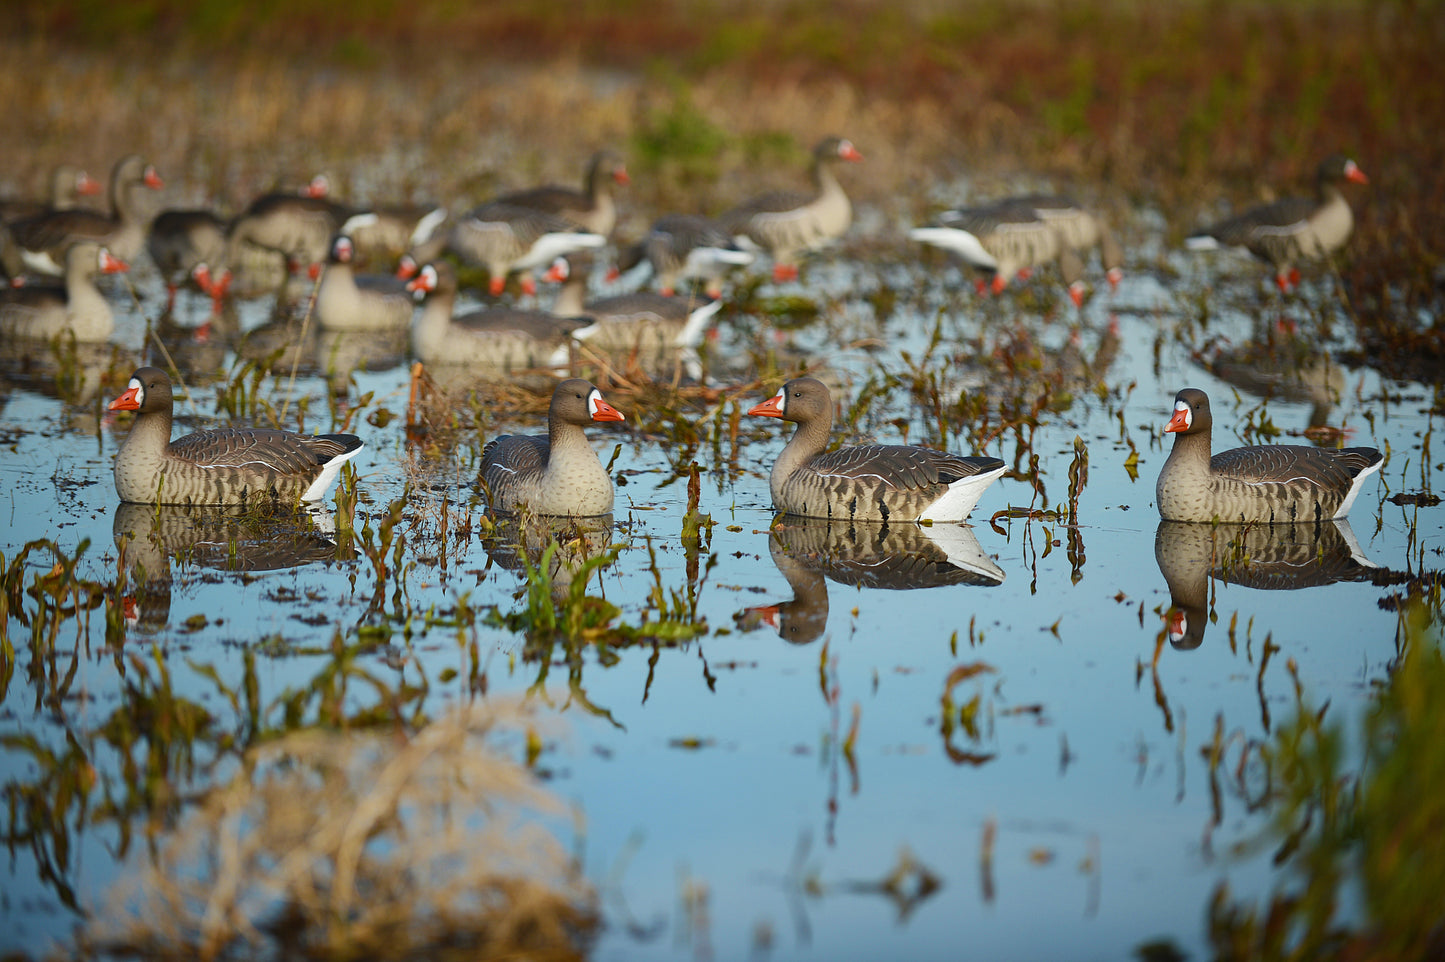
x=336, y=845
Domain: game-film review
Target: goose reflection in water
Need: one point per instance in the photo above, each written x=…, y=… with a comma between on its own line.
x=809, y=551
x=151, y=538
x=1270, y=557
x=519, y=540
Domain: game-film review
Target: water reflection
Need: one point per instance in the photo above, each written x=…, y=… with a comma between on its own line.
x=1282, y=365
x=151, y=538
x=808, y=551
x=518, y=541
x=1274, y=557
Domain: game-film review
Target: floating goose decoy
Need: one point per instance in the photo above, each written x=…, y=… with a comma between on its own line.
x=41, y=311
x=1268, y=557
x=592, y=209
x=1272, y=483
x=346, y=301
x=867, y=482
x=506, y=238
x=1005, y=240
x=43, y=239
x=1294, y=229
x=787, y=224
x=298, y=225
x=556, y=474
x=686, y=247
x=656, y=328
x=505, y=338
x=224, y=466
x=68, y=184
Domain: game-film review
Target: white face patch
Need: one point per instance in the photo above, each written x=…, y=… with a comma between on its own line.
x=140, y=392
x=782, y=397
x=1188, y=414
x=592, y=400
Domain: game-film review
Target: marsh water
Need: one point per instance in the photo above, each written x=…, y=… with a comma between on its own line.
x=793, y=741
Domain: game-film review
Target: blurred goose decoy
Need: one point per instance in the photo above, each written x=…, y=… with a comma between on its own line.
x=68, y=184
x=224, y=466
x=787, y=224
x=502, y=338
x=558, y=474
x=1080, y=230
x=1006, y=240
x=43, y=239
x=1294, y=229
x=686, y=247
x=298, y=225
x=592, y=209
x=181, y=242
x=395, y=230
x=41, y=311
x=347, y=301
x=1267, y=557
x=654, y=327
x=506, y=238
x=1271, y=483
x=868, y=482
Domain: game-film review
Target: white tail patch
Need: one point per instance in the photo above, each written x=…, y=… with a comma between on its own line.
x=367, y=219
x=549, y=247
x=961, y=242
x=427, y=226
x=697, y=321
x=1201, y=242
x=1354, y=491
x=960, y=497
x=327, y=477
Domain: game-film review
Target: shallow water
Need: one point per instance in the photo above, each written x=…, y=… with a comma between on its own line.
x=1070, y=814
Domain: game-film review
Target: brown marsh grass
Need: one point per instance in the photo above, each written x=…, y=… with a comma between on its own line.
x=1191, y=108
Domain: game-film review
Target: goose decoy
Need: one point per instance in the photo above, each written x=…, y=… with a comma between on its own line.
x=1294, y=229
x=505, y=238
x=867, y=482
x=1006, y=240
x=654, y=327
x=591, y=209
x=1080, y=230
x=182, y=242
x=558, y=474
x=786, y=224
x=68, y=184
x=686, y=247
x=347, y=301
x=43, y=239
x=224, y=466
x=1271, y=483
x=298, y=225
x=504, y=338
x=41, y=311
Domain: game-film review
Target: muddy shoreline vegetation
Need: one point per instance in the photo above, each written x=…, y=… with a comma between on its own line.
x=1162, y=116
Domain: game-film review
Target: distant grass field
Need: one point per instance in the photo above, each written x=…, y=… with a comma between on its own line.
x=1183, y=106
